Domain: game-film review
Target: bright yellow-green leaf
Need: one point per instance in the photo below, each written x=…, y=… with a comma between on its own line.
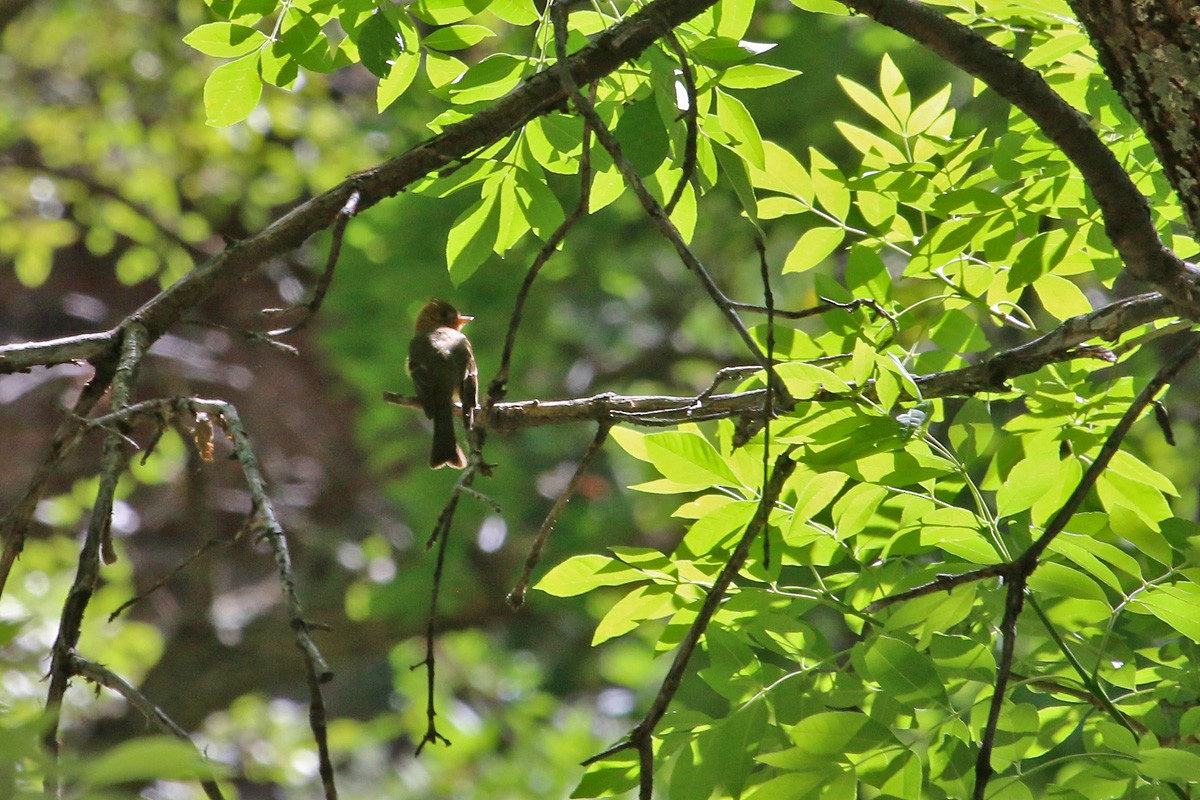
x=232, y=91
x=814, y=246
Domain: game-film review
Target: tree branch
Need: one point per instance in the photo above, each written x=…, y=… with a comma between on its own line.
x=1126, y=211
x=103, y=676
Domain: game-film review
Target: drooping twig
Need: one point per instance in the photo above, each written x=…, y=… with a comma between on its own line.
x=516, y=598
x=499, y=384
x=641, y=737
x=15, y=523
x=335, y=248
x=103, y=676
x=429, y=662
x=112, y=460
x=652, y=207
x=1126, y=211
x=316, y=670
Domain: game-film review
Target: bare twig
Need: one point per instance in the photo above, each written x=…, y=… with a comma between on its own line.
x=441, y=535
x=171, y=573
x=691, y=116
x=499, y=384
x=826, y=305
x=516, y=598
x=103, y=676
x=335, y=248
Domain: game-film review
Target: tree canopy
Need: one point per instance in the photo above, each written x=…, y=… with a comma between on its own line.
x=824, y=445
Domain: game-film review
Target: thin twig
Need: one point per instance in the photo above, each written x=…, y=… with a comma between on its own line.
x=317, y=671
x=335, y=248
x=499, y=384
x=103, y=676
x=652, y=207
x=171, y=573
x=641, y=737
x=826, y=305
x=432, y=736
x=769, y=399
x=691, y=116
x=516, y=598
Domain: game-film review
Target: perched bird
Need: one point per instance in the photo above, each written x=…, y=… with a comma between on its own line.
x=443, y=369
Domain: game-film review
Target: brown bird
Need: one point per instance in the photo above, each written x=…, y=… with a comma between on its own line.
x=443, y=369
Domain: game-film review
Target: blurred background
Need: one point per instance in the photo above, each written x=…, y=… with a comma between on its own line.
x=111, y=187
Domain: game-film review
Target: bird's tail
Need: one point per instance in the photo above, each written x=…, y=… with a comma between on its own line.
x=445, y=452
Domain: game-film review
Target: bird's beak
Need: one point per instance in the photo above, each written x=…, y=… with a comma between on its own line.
x=463, y=319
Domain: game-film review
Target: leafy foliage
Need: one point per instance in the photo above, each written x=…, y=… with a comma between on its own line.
x=936, y=234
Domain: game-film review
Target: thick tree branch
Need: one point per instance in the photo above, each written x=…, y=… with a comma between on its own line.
x=539, y=95
x=1147, y=49
x=1126, y=211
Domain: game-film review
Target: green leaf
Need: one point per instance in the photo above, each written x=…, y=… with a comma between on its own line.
x=836, y=734
x=1170, y=764
x=445, y=12
x=232, y=91
x=492, y=78
x=472, y=237
x=1174, y=604
x=225, y=39
x=1058, y=579
x=813, y=247
x=457, y=37
x=739, y=126
x=755, y=76
x=719, y=52
x=148, y=758
x=580, y=574
x=303, y=39
x=867, y=100
x=651, y=601
x=642, y=136
x=396, y=83
x=515, y=12
x=783, y=173
x=822, y=7
x=612, y=775
x=688, y=457
x=905, y=674
x=379, y=44
x=830, y=185
x=277, y=66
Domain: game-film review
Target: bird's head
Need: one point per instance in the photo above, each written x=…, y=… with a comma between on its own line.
x=440, y=314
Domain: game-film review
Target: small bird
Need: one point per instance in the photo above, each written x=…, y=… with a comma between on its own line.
x=443, y=369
